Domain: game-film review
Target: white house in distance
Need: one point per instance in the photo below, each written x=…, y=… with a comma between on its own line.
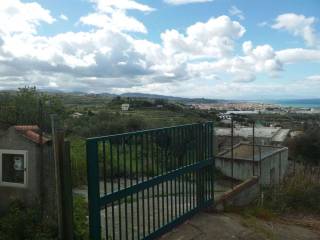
x=125, y=106
x=76, y=115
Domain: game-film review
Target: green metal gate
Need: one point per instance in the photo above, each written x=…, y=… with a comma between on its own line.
x=142, y=184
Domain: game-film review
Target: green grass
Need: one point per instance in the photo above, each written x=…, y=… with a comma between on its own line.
x=78, y=161
x=80, y=214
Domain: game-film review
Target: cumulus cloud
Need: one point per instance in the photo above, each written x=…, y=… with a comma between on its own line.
x=117, y=20
x=214, y=38
x=113, y=15
x=200, y=60
x=63, y=17
x=314, y=78
x=298, y=25
x=295, y=55
x=182, y=2
x=243, y=69
x=18, y=17
x=234, y=11
x=111, y=5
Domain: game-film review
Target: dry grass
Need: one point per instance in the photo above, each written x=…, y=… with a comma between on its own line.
x=300, y=191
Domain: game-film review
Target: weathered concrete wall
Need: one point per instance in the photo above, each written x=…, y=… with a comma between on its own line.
x=274, y=163
x=224, y=142
x=277, y=161
x=41, y=185
x=241, y=195
x=29, y=194
x=242, y=169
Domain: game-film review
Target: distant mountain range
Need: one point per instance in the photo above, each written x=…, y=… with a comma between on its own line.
x=311, y=102
x=172, y=98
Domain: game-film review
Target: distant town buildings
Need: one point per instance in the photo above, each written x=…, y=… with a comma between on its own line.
x=253, y=108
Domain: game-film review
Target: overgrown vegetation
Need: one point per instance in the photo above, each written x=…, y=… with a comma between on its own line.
x=306, y=147
x=25, y=223
x=28, y=106
x=20, y=222
x=80, y=216
x=104, y=123
x=78, y=161
x=298, y=192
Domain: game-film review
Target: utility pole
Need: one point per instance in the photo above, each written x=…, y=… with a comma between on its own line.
x=61, y=150
x=232, y=160
x=253, y=145
x=40, y=125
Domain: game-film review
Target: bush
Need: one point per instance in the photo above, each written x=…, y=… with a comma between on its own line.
x=78, y=161
x=298, y=192
x=80, y=215
x=305, y=148
x=20, y=222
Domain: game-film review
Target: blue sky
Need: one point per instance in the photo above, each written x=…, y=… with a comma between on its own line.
x=192, y=48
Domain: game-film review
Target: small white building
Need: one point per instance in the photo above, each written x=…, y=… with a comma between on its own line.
x=125, y=106
x=269, y=162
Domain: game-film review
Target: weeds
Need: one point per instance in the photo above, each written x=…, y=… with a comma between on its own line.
x=298, y=192
x=20, y=222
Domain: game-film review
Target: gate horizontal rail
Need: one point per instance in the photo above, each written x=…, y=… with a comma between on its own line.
x=142, y=184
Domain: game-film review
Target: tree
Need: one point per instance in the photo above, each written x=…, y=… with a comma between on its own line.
x=306, y=147
x=28, y=106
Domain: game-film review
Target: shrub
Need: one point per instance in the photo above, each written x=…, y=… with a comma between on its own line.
x=298, y=192
x=80, y=216
x=78, y=161
x=21, y=222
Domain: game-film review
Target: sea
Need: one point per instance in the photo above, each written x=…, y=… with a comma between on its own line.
x=297, y=103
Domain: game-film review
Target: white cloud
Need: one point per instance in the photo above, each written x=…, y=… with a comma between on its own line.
x=181, y=2
x=214, y=38
x=298, y=25
x=117, y=20
x=18, y=17
x=63, y=17
x=200, y=61
x=263, y=24
x=261, y=59
x=113, y=15
x=294, y=55
x=314, y=78
x=234, y=11
x=110, y=5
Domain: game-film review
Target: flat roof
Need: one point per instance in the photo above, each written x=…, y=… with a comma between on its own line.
x=265, y=132
x=244, y=151
x=281, y=135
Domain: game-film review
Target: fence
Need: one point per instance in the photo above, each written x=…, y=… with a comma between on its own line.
x=142, y=184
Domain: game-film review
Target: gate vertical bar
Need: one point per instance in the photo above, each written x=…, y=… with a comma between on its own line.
x=93, y=190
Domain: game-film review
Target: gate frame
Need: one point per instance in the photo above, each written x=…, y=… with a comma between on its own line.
x=95, y=201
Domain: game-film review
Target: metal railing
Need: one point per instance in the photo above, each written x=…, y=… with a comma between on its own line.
x=141, y=184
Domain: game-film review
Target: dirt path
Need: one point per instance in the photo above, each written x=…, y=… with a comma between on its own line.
x=207, y=226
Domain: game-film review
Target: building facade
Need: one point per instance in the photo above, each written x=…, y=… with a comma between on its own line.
x=27, y=170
